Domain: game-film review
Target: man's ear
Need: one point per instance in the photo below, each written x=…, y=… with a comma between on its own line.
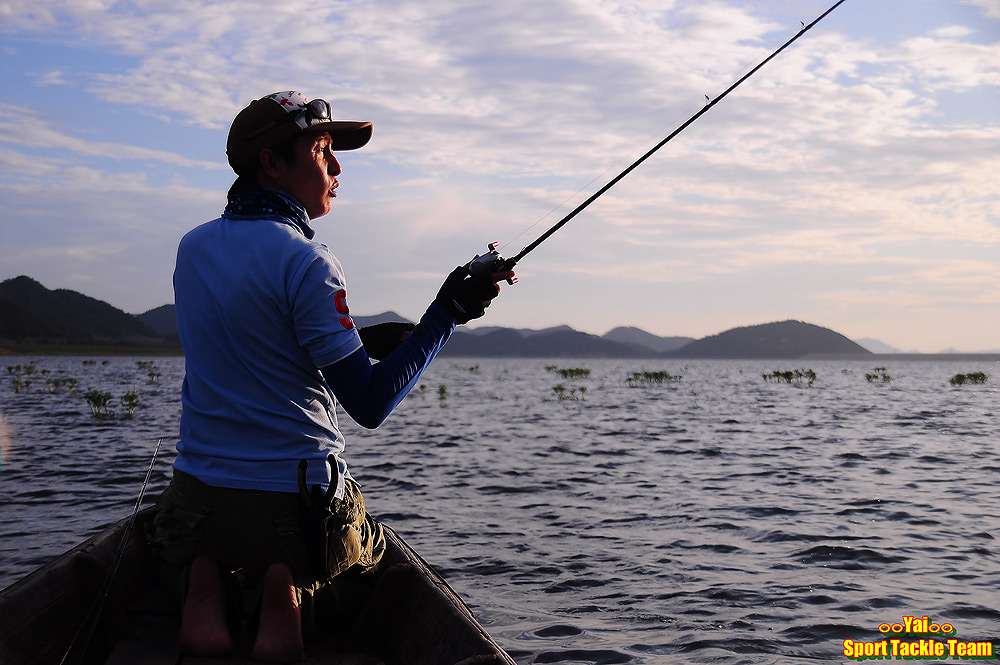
x=268, y=162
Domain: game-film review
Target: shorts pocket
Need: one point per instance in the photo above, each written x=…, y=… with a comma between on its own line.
x=175, y=530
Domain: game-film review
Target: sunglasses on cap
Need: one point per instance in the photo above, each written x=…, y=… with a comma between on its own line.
x=316, y=111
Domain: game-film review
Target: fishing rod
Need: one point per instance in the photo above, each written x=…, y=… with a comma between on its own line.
x=86, y=631
x=492, y=262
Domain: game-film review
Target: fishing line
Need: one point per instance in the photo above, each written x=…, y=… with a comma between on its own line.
x=89, y=625
x=497, y=263
x=610, y=169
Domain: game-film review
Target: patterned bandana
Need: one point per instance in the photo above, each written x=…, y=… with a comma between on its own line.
x=262, y=203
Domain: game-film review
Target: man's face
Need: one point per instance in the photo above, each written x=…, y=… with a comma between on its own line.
x=312, y=179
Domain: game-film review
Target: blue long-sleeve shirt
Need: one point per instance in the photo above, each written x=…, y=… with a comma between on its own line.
x=270, y=348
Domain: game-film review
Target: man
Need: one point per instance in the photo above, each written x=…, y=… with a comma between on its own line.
x=270, y=350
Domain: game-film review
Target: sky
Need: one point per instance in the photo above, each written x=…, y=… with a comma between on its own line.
x=851, y=183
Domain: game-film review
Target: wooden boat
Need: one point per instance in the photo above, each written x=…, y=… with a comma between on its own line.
x=411, y=615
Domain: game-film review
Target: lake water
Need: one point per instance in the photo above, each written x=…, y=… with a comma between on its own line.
x=720, y=518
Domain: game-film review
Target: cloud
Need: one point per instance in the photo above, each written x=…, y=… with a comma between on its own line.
x=846, y=152
x=941, y=61
x=520, y=89
x=29, y=127
x=52, y=78
x=990, y=8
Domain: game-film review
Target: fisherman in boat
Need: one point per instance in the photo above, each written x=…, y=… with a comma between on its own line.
x=270, y=350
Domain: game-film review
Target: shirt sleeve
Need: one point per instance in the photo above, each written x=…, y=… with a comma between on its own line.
x=321, y=315
x=369, y=392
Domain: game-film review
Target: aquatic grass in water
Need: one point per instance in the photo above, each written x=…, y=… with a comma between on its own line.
x=647, y=377
x=578, y=393
x=22, y=375
x=974, y=377
x=879, y=375
x=60, y=384
x=796, y=376
x=149, y=367
x=98, y=401
x=129, y=402
x=570, y=372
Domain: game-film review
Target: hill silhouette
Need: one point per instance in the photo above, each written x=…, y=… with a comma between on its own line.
x=781, y=340
x=31, y=314
x=162, y=319
x=632, y=335
x=562, y=342
x=29, y=311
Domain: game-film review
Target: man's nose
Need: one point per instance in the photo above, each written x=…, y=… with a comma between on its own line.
x=334, y=166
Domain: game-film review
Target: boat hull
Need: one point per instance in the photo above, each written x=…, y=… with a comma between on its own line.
x=409, y=616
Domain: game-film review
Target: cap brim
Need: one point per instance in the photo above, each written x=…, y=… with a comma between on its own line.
x=345, y=134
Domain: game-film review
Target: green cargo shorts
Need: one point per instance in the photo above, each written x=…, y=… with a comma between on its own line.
x=248, y=530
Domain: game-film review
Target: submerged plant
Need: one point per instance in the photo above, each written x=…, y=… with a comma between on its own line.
x=21, y=375
x=561, y=392
x=129, y=402
x=879, y=375
x=149, y=367
x=98, y=401
x=796, y=376
x=60, y=384
x=973, y=377
x=569, y=372
x=639, y=378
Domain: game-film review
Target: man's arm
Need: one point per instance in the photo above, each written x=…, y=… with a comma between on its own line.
x=369, y=392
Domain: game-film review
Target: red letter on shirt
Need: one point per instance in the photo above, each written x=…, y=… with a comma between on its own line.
x=340, y=302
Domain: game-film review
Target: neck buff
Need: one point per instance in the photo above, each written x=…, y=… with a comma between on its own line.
x=262, y=203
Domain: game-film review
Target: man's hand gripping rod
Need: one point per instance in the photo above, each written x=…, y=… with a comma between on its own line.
x=491, y=262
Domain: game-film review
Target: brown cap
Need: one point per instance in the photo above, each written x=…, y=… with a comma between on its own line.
x=268, y=121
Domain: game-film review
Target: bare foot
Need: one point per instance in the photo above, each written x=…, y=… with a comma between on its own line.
x=279, y=638
x=204, y=631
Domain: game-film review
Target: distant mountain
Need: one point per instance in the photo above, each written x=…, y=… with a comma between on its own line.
x=17, y=321
x=523, y=332
x=631, y=335
x=28, y=310
x=362, y=321
x=162, y=319
x=782, y=340
x=877, y=346
x=33, y=314
x=562, y=342
x=631, y=341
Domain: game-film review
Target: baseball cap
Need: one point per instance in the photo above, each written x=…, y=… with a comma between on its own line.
x=268, y=121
